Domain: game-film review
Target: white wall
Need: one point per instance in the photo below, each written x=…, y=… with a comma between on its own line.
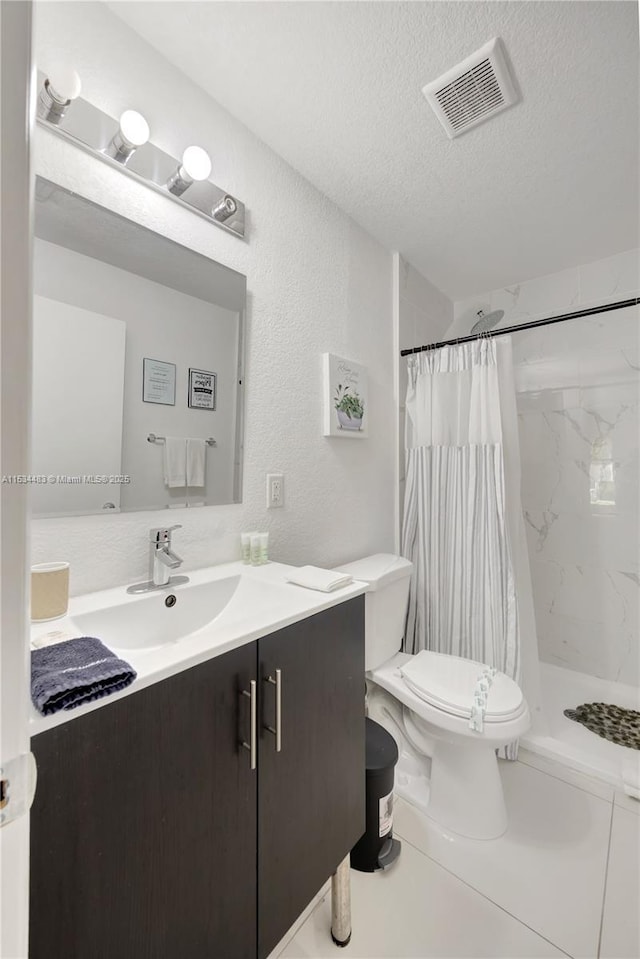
x=316, y=283
x=162, y=324
x=78, y=386
x=578, y=412
x=424, y=315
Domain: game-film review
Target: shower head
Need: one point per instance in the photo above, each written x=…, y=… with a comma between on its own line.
x=485, y=323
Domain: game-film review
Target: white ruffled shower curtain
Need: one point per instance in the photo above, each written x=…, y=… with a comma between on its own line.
x=463, y=528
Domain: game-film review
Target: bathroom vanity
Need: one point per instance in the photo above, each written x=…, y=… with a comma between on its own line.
x=167, y=824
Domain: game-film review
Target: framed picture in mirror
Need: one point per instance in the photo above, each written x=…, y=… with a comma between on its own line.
x=158, y=382
x=202, y=390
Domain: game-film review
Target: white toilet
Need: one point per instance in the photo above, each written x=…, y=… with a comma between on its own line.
x=448, y=765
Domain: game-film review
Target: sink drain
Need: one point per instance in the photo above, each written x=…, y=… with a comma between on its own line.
x=170, y=601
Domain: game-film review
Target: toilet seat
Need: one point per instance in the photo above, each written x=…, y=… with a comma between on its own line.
x=498, y=730
x=448, y=683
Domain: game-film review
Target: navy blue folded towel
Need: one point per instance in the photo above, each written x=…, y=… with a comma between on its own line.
x=77, y=671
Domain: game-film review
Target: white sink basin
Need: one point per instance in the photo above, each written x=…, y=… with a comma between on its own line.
x=148, y=622
x=220, y=609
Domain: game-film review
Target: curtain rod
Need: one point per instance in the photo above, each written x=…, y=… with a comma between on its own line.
x=605, y=308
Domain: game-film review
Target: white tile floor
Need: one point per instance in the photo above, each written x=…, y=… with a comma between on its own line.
x=562, y=881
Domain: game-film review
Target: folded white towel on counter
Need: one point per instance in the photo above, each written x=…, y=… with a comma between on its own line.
x=175, y=461
x=326, y=580
x=196, y=462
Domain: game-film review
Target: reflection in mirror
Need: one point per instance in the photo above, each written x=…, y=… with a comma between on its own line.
x=137, y=366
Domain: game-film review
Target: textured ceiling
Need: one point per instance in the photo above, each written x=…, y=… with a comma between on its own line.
x=335, y=88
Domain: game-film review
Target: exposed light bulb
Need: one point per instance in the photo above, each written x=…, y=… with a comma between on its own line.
x=133, y=132
x=62, y=85
x=224, y=209
x=134, y=128
x=195, y=165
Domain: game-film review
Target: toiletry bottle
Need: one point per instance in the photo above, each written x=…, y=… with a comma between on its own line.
x=245, y=547
x=255, y=549
x=264, y=548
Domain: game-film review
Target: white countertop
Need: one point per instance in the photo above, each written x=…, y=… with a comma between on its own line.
x=263, y=603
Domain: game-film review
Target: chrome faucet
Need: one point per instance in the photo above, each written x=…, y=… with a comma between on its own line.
x=162, y=559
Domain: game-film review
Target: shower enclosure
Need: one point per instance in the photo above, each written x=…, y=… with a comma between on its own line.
x=578, y=393
x=577, y=388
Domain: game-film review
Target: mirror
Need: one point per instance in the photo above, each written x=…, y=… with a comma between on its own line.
x=136, y=339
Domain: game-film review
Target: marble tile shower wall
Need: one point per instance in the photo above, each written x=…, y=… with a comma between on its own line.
x=578, y=387
x=592, y=284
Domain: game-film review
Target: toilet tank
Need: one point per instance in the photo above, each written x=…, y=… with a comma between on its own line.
x=388, y=577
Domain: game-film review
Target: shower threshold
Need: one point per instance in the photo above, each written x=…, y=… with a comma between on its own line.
x=571, y=743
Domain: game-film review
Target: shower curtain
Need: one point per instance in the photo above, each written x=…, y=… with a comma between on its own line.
x=463, y=529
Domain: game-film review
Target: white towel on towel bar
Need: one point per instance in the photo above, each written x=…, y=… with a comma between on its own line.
x=175, y=461
x=196, y=462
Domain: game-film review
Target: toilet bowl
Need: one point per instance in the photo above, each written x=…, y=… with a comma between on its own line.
x=447, y=714
x=463, y=790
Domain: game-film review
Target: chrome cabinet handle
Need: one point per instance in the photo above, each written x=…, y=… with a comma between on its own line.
x=252, y=745
x=277, y=732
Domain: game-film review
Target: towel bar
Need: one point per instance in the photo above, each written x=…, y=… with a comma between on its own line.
x=152, y=438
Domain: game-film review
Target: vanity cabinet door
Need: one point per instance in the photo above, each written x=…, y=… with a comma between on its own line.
x=143, y=829
x=311, y=794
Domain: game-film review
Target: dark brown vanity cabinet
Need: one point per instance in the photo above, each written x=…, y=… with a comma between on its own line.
x=311, y=803
x=151, y=835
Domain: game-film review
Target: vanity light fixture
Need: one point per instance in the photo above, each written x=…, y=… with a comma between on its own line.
x=195, y=165
x=61, y=86
x=224, y=209
x=132, y=133
x=125, y=145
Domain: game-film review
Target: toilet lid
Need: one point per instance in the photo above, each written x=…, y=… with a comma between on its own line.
x=449, y=682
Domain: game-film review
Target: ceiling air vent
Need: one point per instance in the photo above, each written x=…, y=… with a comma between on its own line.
x=475, y=90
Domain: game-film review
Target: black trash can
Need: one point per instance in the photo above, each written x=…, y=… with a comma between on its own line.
x=377, y=849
